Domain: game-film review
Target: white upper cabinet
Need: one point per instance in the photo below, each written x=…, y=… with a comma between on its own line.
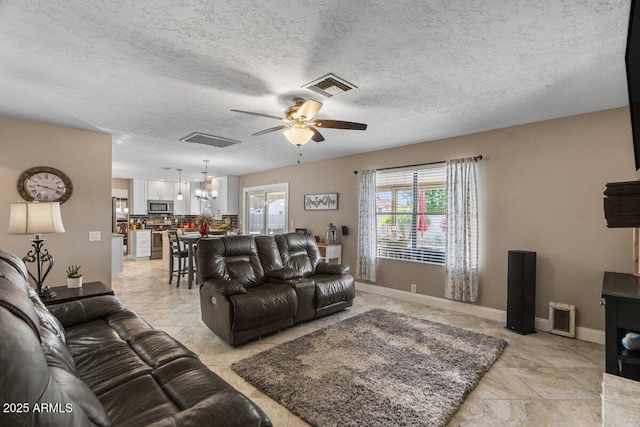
x=159, y=190
x=138, y=197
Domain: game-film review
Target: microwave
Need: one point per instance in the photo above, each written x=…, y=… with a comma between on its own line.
x=160, y=206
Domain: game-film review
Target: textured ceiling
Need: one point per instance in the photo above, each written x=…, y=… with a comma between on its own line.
x=151, y=72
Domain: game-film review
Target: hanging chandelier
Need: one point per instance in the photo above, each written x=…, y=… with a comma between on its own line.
x=206, y=193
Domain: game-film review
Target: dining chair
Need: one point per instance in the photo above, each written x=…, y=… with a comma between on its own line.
x=178, y=263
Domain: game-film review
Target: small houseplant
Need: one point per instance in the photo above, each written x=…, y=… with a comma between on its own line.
x=74, y=277
x=204, y=222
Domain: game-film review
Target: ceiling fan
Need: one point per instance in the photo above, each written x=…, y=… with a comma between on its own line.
x=300, y=126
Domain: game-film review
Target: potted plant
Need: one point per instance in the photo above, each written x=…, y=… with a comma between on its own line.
x=74, y=277
x=204, y=221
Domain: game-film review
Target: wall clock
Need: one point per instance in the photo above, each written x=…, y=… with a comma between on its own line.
x=44, y=184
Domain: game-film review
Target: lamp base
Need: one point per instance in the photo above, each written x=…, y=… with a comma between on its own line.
x=46, y=292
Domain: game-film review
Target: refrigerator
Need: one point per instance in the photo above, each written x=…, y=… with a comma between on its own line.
x=120, y=218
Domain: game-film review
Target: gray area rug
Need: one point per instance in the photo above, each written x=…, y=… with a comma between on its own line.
x=375, y=369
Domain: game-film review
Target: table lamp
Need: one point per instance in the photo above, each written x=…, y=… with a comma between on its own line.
x=37, y=218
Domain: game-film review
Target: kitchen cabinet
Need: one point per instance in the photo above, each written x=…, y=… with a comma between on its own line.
x=159, y=190
x=140, y=244
x=227, y=201
x=138, y=199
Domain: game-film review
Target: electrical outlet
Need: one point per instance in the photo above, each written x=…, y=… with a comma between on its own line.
x=413, y=288
x=95, y=236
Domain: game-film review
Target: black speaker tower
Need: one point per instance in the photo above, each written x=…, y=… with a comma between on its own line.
x=521, y=292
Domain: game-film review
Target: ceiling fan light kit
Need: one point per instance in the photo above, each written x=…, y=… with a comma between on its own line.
x=298, y=135
x=300, y=127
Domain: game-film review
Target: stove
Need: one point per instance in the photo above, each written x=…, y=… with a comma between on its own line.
x=157, y=226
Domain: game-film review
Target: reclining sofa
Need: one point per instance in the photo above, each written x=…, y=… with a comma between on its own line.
x=253, y=286
x=91, y=362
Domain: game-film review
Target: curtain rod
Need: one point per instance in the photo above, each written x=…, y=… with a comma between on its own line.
x=475, y=159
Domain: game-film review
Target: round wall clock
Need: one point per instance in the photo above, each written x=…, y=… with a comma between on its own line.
x=44, y=184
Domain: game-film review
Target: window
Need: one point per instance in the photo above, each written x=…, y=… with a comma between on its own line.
x=411, y=214
x=266, y=209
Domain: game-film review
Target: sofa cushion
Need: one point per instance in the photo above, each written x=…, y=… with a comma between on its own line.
x=110, y=366
x=56, y=352
x=37, y=370
x=263, y=305
x=47, y=320
x=81, y=395
x=299, y=251
x=230, y=258
x=326, y=268
x=157, y=348
x=269, y=253
x=187, y=381
x=85, y=310
x=226, y=287
x=285, y=273
x=126, y=323
x=140, y=402
x=331, y=289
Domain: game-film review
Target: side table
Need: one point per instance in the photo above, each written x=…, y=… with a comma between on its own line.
x=329, y=251
x=621, y=292
x=65, y=294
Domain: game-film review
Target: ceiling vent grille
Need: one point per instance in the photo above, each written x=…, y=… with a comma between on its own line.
x=329, y=85
x=211, y=140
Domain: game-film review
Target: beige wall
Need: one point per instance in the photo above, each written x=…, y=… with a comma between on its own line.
x=120, y=183
x=85, y=157
x=540, y=189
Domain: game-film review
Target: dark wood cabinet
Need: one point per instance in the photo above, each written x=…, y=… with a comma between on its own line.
x=621, y=292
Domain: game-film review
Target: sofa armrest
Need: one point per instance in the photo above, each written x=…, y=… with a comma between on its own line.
x=285, y=273
x=226, y=287
x=85, y=310
x=326, y=268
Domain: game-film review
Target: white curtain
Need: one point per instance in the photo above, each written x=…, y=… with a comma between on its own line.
x=366, y=260
x=462, y=231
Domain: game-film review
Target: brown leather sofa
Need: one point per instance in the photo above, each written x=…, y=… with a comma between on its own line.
x=253, y=286
x=92, y=362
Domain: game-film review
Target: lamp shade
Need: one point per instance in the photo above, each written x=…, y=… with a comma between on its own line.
x=35, y=218
x=298, y=135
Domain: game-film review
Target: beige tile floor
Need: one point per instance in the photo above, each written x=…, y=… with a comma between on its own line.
x=539, y=380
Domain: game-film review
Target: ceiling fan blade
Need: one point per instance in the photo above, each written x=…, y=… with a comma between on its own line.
x=317, y=136
x=273, y=129
x=339, y=124
x=308, y=110
x=259, y=114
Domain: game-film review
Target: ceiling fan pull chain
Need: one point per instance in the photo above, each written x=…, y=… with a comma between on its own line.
x=299, y=152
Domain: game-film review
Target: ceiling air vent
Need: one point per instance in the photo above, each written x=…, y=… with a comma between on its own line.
x=211, y=140
x=330, y=85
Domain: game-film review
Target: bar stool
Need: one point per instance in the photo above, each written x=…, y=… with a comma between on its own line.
x=179, y=254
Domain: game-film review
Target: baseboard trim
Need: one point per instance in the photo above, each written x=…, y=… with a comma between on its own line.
x=583, y=334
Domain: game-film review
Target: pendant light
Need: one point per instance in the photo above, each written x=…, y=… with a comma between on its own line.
x=179, y=197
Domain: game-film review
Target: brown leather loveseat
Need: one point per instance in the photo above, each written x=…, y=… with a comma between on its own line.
x=253, y=286
x=92, y=362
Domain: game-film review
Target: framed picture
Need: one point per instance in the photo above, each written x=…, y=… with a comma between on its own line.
x=321, y=202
